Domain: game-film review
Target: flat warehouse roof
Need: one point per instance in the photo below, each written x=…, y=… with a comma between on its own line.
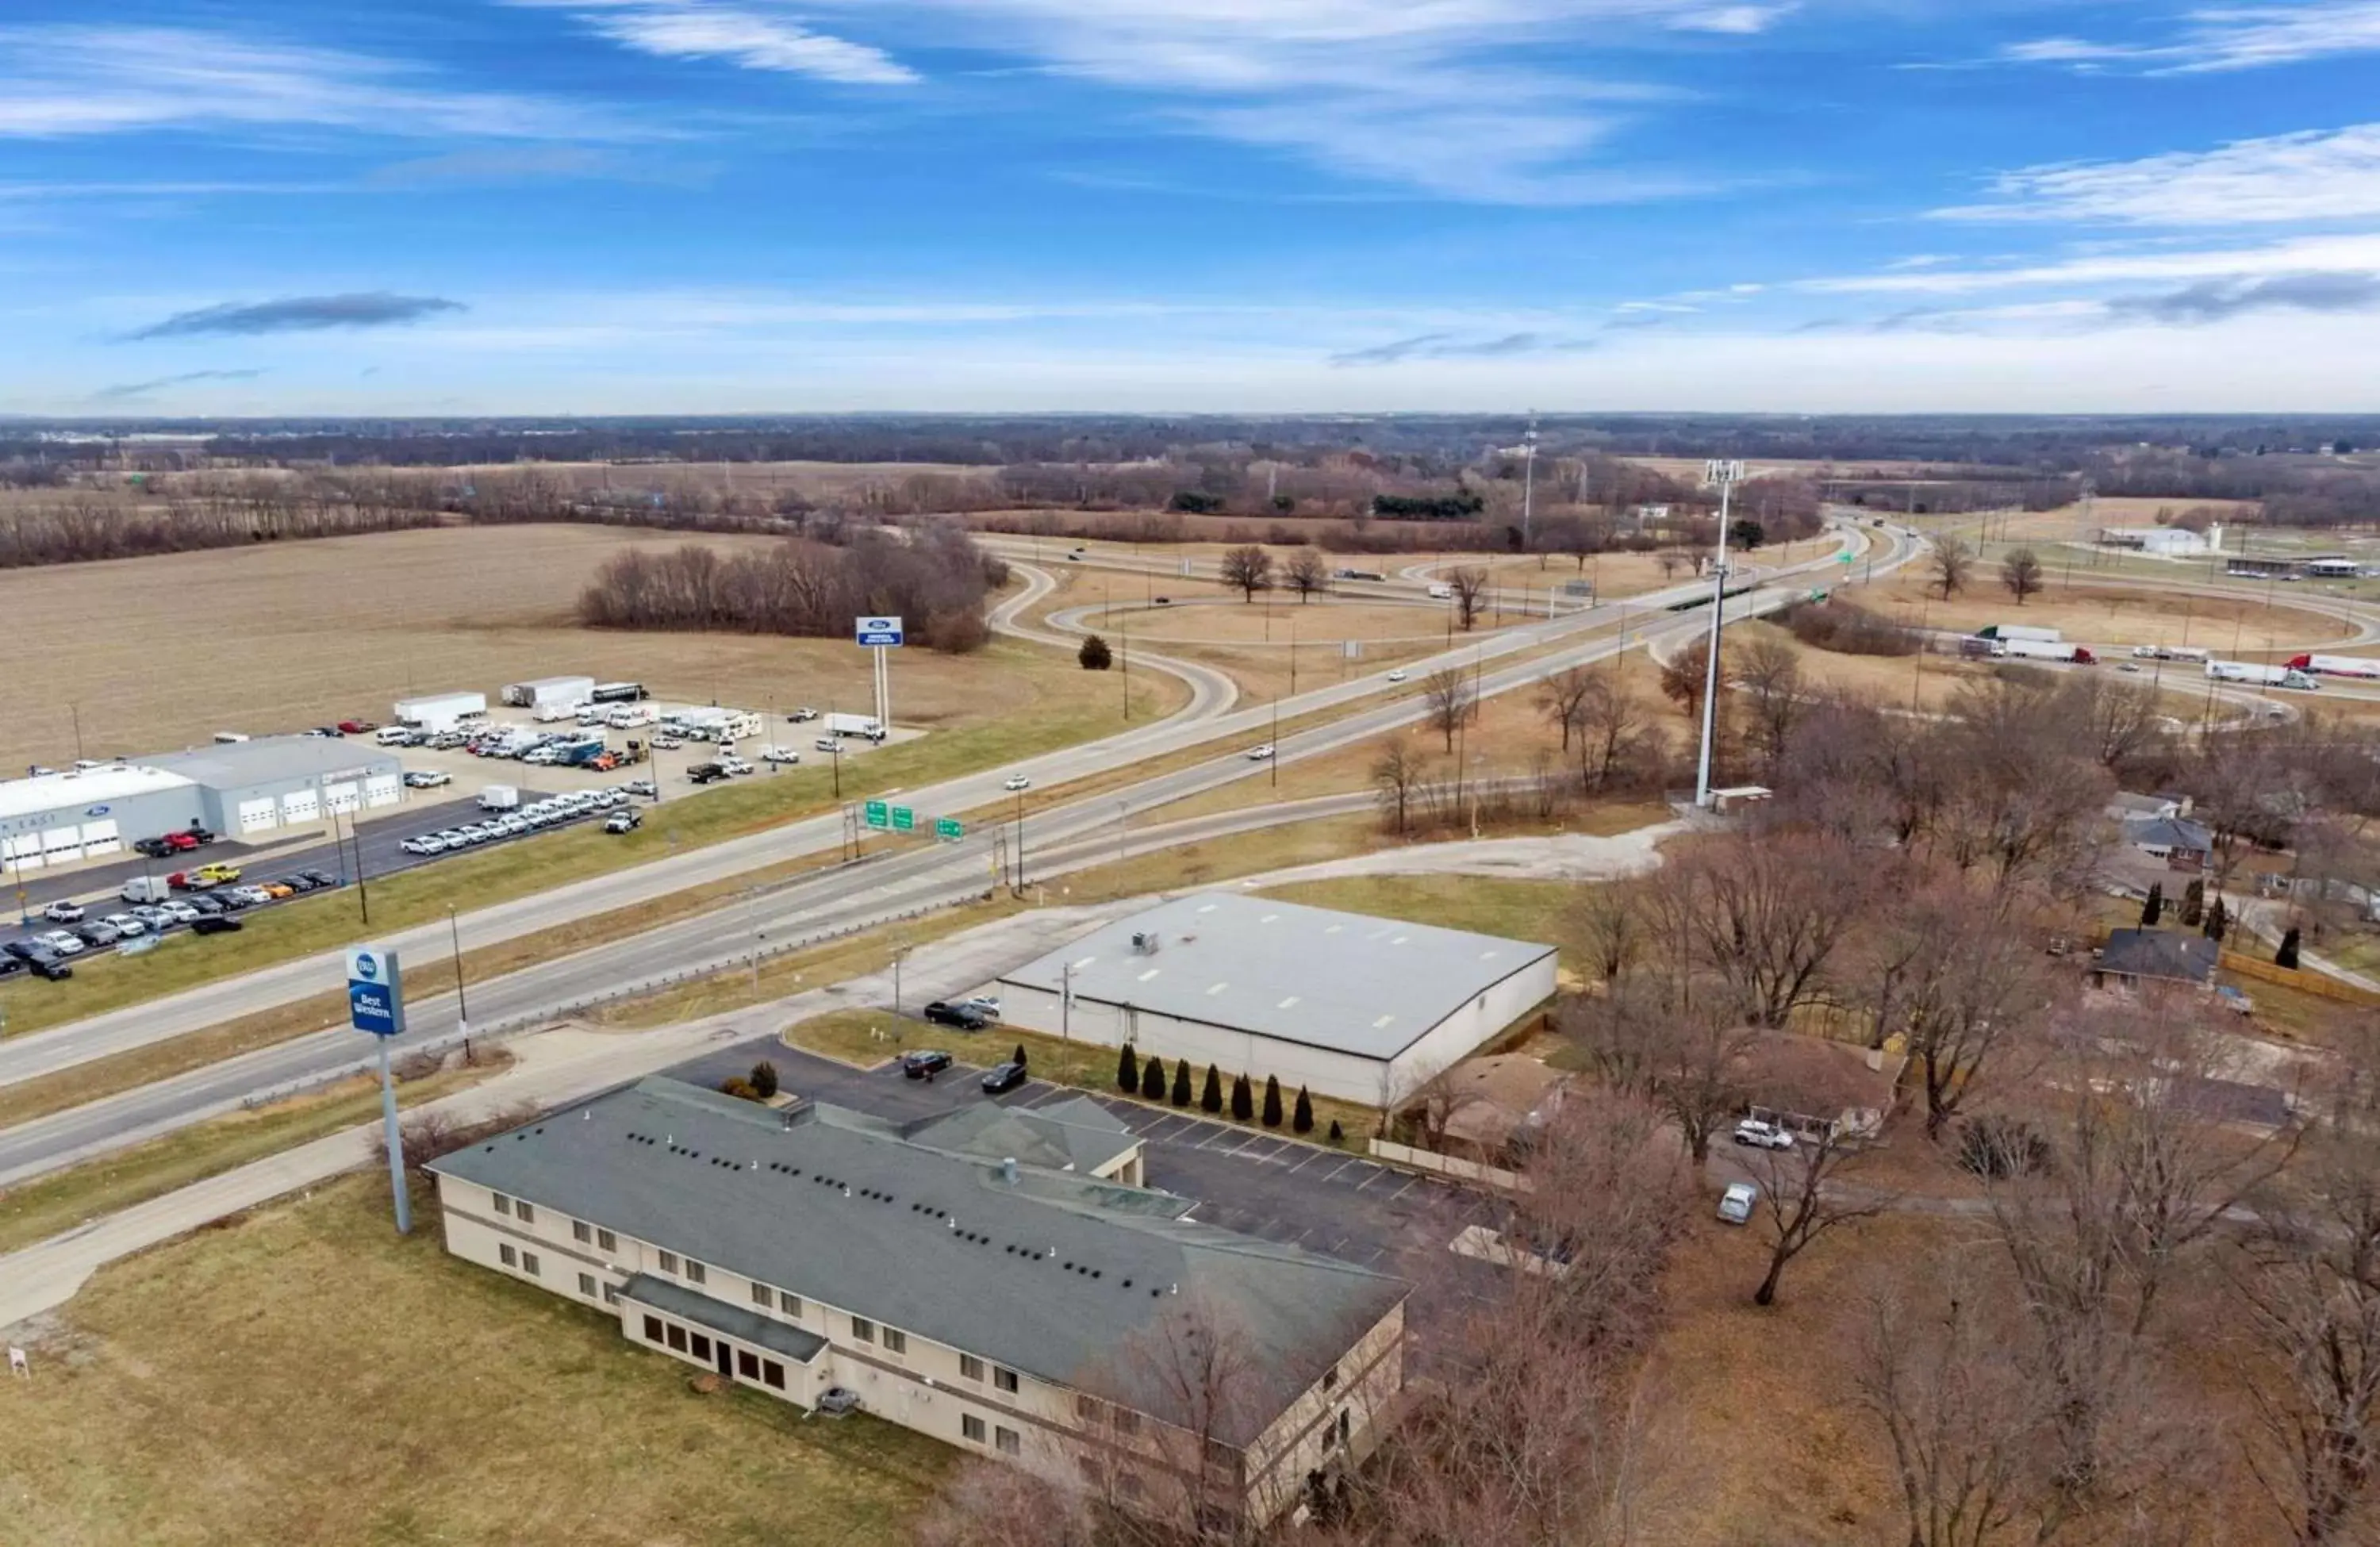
x=77, y=793
x=267, y=758
x=1345, y=982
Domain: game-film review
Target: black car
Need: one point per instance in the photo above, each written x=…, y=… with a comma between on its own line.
x=10, y=967
x=229, y=902
x=206, y=904
x=1002, y=1078
x=49, y=965
x=22, y=950
x=301, y=883
x=319, y=877
x=924, y=1065
x=155, y=849
x=213, y=923
x=966, y=1017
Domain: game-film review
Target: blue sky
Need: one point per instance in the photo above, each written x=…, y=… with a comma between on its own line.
x=700, y=206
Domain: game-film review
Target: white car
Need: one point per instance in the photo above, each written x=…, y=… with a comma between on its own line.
x=1735, y=1204
x=1397, y=676
x=1762, y=1135
x=780, y=754
x=735, y=765
x=65, y=944
x=126, y=924
x=64, y=913
x=828, y=744
x=987, y=1002
x=1018, y=782
x=428, y=778
x=803, y=715
x=1258, y=754
x=179, y=912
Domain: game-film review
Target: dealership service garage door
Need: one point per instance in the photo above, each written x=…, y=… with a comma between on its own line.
x=101, y=837
x=256, y=816
x=384, y=789
x=340, y=798
x=22, y=852
x=300, y=806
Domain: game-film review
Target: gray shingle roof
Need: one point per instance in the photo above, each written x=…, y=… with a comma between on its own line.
x=1310, y=975
x=719, y=1316
x=1076, y=1134
x=2159, y=954
x=2191, y=837
x=1051, y=1276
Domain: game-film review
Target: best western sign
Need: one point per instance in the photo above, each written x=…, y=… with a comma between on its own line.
x=375, y=992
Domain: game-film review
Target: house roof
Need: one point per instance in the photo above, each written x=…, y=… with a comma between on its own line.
x=761, y=1332
x=1077, y=1134
x=1813, y=1076
x=1493, y=1095
x=2159, y=954
x=1345, y=982
x=1053, y=1275
x=2176, y=832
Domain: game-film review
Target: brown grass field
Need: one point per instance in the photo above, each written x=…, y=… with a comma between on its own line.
x=159, y=653
x=2098, y=610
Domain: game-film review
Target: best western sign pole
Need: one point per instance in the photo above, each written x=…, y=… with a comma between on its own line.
x=376, y=1005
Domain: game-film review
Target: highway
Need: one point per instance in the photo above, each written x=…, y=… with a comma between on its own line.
x=781, y=916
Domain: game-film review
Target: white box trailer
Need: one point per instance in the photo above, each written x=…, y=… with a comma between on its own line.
x=439, y=712
x=2338, y=665
x=863, y=725
x=2018, y=632
x=536, y=693
x=2261, y=675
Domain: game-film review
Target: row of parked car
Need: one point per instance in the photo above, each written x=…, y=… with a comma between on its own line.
x=554, y=811
x=210, y=910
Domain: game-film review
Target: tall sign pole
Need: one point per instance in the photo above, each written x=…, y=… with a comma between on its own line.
x=1723, y=474
x=376, y=1007
x=877, y=635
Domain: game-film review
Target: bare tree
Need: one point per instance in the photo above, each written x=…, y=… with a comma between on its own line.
x=1184, y=1392
x=1953, y=563
x=1397, y=774
x=1247, y=570
x=1684, y=674
x=2020, y=572
x=1470, y=587
x=1671, y=561
x=1307, y=572
x=1803, y=1196
x=1764, y=915
x=1953, y=976
x=1768, y=673
x=1447, y=696
x=1562, y=698
x=990, y=1503
x=1608, y=923
x=1685, y=1060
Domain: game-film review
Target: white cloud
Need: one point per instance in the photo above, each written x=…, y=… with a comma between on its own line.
x=2354, y=253
x=63, y=80
x=1741, y=20
x=755, y=40
x=2227, y=39
x=2319, y=174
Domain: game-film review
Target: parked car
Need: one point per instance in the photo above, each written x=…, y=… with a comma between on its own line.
x=1002, y=1078
x=215, y=924
x=988, y=1004
x=61, y=943
x=156, y=917
x=127, y=924
x=1762, y=1135
x=803, y=715
x=428, y=778
x=736, y=767
x=357, y=727
x=828, y=744
x=1017, y=780
x=98, y=934
x=276, y=890
x=63, y=912
x=1735, y=1204
x=11, y=966
x=1258, y=754
x=153, y=848
x=780, y=754
x=180, y=912
x=319, y=876
x=645, y=788
x=622, y=822
x=205, y=903
x=667, y=743
x=966, y=1017
x=924, y=1065
x=48, y=964
x=216, y=874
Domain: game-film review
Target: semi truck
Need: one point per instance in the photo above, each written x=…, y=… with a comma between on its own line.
x=2336, y=666
x=2018, y=632
x=2172, y=652
x=2044, y=650
x=2261, y=675
x=863, y=725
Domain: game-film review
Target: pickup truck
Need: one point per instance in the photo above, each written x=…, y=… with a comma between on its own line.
x=705, y=774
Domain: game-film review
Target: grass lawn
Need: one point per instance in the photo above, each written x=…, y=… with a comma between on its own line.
x=46, y=1205
x=301, y=1374
x=868, y=1038
x=422, y=894
x=1534, y=911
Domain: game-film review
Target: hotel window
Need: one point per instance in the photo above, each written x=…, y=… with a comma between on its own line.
x=528, y=1263
x=610, y=1294
x=972, y=1427
x=504, y=1204
x=701, y=1349
x=863, y=1330
x=1125, y=1420
x=747, y=1365
x=524, y=1213
x=695, y=1271
x=760, y=1296
x=507, y=1256
x=606, y=1241
x=581, y=1231
x=652, y=1329
x=669, y=1261
x=790, y=1304
x=586, y=1284
x=971, y=1367
x=1004, y=1378
x=772, y=1375
x=1008, y=1442
x=1331, y=1378
x=895, y=1342
x=677, y=1337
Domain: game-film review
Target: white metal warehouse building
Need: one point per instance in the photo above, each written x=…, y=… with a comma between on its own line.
x=52, y=821
x=1361, y=1008
x=252, y=788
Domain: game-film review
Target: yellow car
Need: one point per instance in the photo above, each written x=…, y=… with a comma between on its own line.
x=217, y=875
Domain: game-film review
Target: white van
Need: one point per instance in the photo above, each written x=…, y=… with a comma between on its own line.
x=387, y=736
x=1440, y=591
x=628, y=717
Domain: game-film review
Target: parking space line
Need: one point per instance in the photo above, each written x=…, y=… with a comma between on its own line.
x=1305, y=1160
x=1378, y=1172
x=1404, y=1189
x=1169, y=1117
x=1334, y=1171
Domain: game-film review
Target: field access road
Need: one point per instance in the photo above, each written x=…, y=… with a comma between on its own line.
x=1085, y=831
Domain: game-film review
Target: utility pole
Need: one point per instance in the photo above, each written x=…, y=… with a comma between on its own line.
x=1723, y=474
x=1274, y=760
x=1528, y=482
x=462, y=1005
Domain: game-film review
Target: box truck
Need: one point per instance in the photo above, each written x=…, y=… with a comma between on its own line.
x=2336, y=666
x=1440, y=591
x=500, y=797
x=862, y=725
x=146, y=889
x=2019, y=631
x=540, y=691
x=2261, y=675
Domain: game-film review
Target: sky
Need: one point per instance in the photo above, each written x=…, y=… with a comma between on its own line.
x=448, y=207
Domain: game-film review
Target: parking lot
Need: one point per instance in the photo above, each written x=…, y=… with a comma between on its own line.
x=1251, y=1180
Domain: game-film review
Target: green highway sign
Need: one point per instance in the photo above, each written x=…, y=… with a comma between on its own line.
x=878, y=814
x=903, y=820
x=950, y=828
x=1843, y=558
